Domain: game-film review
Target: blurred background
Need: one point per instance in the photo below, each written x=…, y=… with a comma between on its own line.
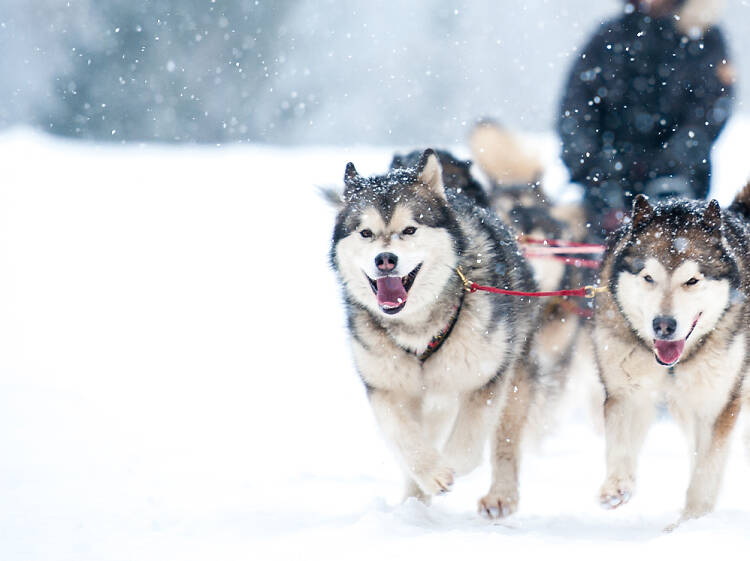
x=175, y=375
x=297, y=71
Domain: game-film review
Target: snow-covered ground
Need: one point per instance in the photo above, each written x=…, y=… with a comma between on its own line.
x=175, y=380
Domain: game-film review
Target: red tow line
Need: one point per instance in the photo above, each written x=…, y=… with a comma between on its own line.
x=587, y=291
x=551, y=249
x=592, y=247
x=575, y=261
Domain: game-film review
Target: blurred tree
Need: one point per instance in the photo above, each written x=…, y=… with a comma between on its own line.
x=171, y=70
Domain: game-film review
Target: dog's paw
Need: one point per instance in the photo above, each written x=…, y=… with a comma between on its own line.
x=690, y=512
x=615, y=493
x=498, y=505
x=696, y=509
x=436, y=481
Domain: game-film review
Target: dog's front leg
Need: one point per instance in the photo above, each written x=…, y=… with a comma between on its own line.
x=477, y=412
x=400, y=419
x=709, y=447
x=502, y=498
x=627, y=417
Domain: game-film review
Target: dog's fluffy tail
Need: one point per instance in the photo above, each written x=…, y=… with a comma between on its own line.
x=741, y=203
x=500, y=155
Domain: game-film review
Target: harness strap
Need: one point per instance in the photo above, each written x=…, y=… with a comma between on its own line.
x=587, y=291
x=558, y=250
x=437, y=341
x=560, y=243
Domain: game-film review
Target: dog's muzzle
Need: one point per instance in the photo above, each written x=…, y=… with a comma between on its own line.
x=392, y=292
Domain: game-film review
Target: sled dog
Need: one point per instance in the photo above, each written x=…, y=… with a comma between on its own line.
x=457, y=176
x=562, y=346
x=674, y=326
x=444, y=369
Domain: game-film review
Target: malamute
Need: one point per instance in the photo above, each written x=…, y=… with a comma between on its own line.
x=674, y=326
x=441, y=366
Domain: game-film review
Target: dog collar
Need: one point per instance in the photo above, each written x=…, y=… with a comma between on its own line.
x=437, y=340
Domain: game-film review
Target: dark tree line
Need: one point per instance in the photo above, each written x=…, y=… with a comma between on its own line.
x=168, y=70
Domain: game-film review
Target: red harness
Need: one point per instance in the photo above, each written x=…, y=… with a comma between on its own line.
x=552, y=248
x=440, y=338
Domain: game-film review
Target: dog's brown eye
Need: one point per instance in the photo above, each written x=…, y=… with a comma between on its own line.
x=648, y=278
x=691, y=282
x=366, y=233
x=409, y=230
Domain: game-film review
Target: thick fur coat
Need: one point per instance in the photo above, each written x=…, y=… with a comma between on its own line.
x=443, y=369
x=674, y=326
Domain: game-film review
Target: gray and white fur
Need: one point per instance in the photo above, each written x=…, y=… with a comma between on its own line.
x=562, y=346
x=397, y=242
x=674, y=326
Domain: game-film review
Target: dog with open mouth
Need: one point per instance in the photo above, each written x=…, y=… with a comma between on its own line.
x=444, y=370
x=505, y=179
x=674, y=326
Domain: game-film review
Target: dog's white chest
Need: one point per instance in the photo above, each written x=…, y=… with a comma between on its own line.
x=465, y=362
x=710, y=376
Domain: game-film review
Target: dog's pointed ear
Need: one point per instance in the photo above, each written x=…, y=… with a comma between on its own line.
x=350, y=174
x=352, y=182
x=430, y=172
x=712, y=216
x=642, y=211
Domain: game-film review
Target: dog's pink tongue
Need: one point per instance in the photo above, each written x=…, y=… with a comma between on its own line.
x=669, y=351
x=391, y=291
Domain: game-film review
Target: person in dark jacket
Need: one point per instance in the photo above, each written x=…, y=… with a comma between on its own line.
x=644, y=103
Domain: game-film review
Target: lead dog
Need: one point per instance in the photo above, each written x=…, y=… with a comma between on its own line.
x=674, y=326
x=442, y=368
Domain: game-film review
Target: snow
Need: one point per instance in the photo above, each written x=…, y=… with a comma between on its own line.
x=175, y=379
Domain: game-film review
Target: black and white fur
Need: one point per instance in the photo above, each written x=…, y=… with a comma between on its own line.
x=562, y=346
x=674, y=326
x=437, y=413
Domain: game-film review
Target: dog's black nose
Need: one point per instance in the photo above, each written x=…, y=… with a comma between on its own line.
x=386, y=261
x=664, y=326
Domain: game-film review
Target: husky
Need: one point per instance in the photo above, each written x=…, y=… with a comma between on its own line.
x=517, y=196
x=562, y=345
x=444, y=370
x=457, y=174
x=674, y=326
